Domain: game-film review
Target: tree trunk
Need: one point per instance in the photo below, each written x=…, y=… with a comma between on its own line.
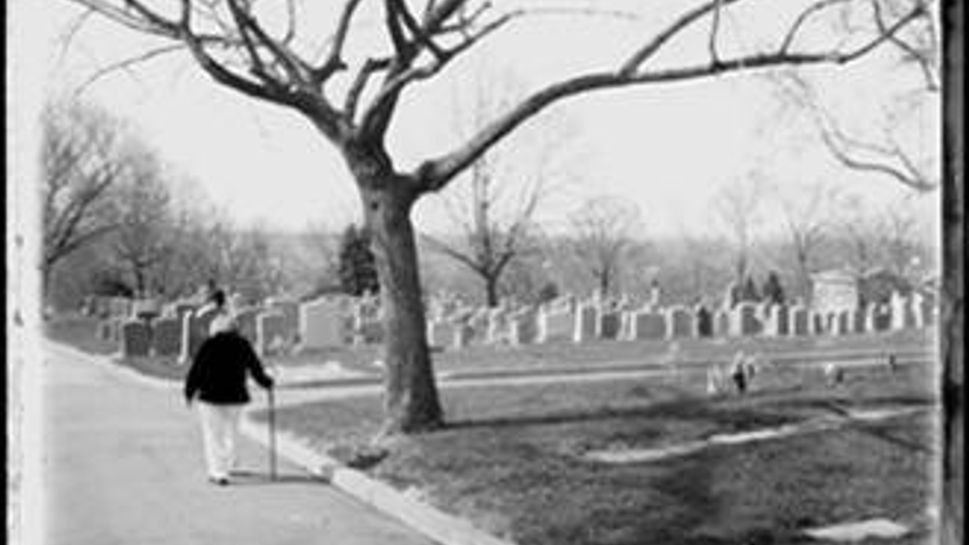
x=491, y=290
x=410, y=399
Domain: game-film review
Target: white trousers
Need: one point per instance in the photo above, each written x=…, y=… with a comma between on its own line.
x=220, y=427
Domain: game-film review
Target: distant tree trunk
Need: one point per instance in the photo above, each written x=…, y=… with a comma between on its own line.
x=411, y=400
x=491, y=289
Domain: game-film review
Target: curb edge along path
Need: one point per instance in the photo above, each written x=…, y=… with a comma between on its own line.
x=437, y=525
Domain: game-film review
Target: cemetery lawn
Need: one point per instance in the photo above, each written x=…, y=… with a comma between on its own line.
x=512, y=457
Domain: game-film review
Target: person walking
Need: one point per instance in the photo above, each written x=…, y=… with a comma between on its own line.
x=217, y=378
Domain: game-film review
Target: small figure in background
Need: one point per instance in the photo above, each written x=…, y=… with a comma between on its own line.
x=892, y=362
x=834, y=374
x=741, y=371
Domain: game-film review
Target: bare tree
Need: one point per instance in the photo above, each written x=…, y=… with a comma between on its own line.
x=603, y=230
x=492, y=215
x=78, y=170
x=142, y=238
x=737, y=205
x=234, y=43
x=806, y=210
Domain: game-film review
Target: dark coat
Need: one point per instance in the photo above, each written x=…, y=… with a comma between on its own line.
x=219, y=369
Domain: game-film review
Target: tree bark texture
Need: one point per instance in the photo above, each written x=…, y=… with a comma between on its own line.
x=411, y=401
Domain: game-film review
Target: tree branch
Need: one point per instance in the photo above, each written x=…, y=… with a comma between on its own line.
x=125, y=64
x=802, y=18
x=434, y=174
x=334, y=61
x=685, y=20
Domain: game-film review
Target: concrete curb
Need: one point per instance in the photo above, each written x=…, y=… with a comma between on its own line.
x=441, y=527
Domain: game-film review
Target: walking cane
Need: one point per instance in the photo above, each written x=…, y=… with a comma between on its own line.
x=272, y=435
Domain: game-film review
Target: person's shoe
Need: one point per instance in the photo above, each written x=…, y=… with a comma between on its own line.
x=221, y=481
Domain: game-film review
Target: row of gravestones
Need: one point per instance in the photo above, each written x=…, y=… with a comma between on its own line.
x=179, y=329
x=569, y=320
x=275, y=326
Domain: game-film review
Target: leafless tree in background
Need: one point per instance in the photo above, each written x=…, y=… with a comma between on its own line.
x=142, y=238
x=78, y=169
x=493, y=212
x=805, y=210
x=737, y=206
x=603, y=229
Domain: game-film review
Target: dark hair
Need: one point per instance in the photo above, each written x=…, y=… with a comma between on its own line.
x=218, y=297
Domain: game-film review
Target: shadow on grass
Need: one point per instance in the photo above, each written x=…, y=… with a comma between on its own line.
x=684, y=407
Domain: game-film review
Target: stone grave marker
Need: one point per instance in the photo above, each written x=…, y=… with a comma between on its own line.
x=608, y=324
x=649, y=326
x=166, y=338
x=585, y=322
x=325, y=322
x=800, y=320
x=704, y=322
x=271, y=332
x=523, y=327
x=679, y=323
x=245, y=319
x=135, y=338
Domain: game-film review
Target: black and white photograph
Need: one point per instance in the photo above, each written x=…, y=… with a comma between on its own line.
x=485, y=272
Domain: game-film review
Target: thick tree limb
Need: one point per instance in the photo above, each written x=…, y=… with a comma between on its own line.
x=436, y=173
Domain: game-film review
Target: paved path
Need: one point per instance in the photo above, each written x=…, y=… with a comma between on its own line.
x=123, y=465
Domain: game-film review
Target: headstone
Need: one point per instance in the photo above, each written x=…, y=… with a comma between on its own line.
x=679, y=323
x=271, y=333
x=843, y=322
x=195, y=329
x=166, y=338
x=743, y=320
x=325, y=322
x=800, y=320
x=882, y=317
x=523, y=327
x=135, y=338
x=440, y=333
x=245, y=319
x=497, y=328
x=704, y=322
x=778, y=323
x=290, y=311
x=897, y=311
x=817, y=323
x=649, y=326
x=927, y=309
x=462, y=335
x=585, y=323
x=609, y=324
x=858, y=320
x=910, y=311
x=556, y=324
x=109, y=329
x=146, y=309
x=120, y=307
x=721, y=323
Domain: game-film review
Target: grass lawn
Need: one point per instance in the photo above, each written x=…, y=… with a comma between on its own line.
x=512, y=460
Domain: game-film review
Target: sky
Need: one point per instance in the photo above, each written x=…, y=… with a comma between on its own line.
x=666, y=149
